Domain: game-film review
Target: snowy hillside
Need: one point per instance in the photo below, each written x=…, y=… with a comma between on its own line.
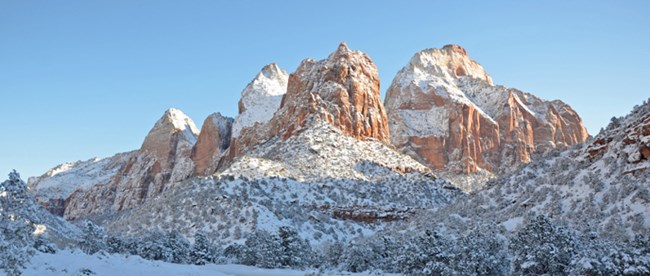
x=60, y=182
x=601, y=186
x=326, y=185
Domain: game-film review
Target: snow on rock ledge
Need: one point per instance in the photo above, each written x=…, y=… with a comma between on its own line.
x=261, y=98
x=445, y=111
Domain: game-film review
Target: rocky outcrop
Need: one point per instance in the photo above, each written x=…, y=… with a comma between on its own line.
x=125, y=180
x=212, y=143
x=53, y=189
x=625, y=138
x=445, y=111
x=259, y=100
x=164, y=158
x=342, y=90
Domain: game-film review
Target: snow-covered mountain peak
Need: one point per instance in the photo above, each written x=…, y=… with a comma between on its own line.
x=456, y=48
x=270, y=71
x=449, y=63
x=444, y=110
x=261, y=97
x=342, y=89
x=172, y=122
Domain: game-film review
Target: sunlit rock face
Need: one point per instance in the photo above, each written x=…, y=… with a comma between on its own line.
x=342, y=90
x=445, y=111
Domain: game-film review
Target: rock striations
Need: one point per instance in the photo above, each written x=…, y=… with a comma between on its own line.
x=445, y=111
x=212, y=143
x=442, y=109
x=600, y=186
x=342, y=90
x=124, y=180
x=164, y=158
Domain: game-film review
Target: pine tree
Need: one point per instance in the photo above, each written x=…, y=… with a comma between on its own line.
x=542, y=248
x=93, y=239
x=481, y=252
x=262, y=249
x=296, y=252
x=177, y=248
x=203, y=251
x=151, y=247
x=16, y=230
x=427, y=254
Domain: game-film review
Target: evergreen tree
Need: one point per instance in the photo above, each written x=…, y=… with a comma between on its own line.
x=93, y=239
x=542, y=248
x=16, y=230
x=481, y=252
x=427, y=254
x=296, y=252
x=177, y=248
x=152, y=248
x=115, y=244
x=262, y=249
x=203, y=251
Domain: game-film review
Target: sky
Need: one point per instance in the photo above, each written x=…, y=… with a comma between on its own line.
x=83, y=79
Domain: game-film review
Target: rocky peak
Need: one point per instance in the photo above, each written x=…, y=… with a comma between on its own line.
x=261, y=97
x=213, y=141
x=342, y=90
x=448, y=63
x=455, y=48
x=444, y=110
x=172, y=128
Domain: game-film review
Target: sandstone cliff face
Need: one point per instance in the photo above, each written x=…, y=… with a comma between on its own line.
x=212, y=143
x=342, y=90
x=54, y=188
x=163, y=159
x=445, y=111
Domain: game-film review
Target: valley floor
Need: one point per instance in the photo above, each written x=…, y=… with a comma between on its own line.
x=77, y=263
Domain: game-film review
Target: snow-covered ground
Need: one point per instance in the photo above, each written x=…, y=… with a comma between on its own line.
x=78, y=263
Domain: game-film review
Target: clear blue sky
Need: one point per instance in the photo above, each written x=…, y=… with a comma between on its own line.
x=80, y=79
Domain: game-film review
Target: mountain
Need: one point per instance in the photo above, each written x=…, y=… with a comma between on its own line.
x=124, y=180
x=173, y=151
x=445, y=111
x=322, y=166
x=325, y=184
x=259, y=101
x=212, y=143
x=602, y=186
x=342, y=89
x=56, y=185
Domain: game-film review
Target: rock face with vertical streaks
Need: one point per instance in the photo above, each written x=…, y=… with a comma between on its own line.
x=445, y=111
x=212, y=143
